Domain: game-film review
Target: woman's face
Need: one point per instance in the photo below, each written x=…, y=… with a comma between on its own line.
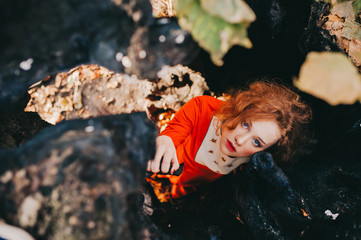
x=249, y=137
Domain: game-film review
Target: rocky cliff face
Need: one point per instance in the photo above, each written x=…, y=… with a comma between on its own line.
x=81, y=179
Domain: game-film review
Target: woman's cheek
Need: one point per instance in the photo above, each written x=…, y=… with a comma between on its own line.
x=253, y=150
x=247, y=152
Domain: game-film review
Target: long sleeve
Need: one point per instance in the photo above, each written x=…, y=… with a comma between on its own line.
x=188, y=129
x=190, y=124
x=180, y=127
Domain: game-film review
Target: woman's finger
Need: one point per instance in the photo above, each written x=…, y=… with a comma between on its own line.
x=175, y=164
x=149, y=165
x=155, y=163
x=167, y=158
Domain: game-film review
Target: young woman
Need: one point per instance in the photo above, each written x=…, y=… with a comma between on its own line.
x=213, y=137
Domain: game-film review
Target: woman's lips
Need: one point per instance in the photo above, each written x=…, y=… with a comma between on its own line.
x=230, y=146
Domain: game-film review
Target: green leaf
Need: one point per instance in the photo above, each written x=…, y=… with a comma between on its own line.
x=357, y=6
x=213, y=31
x=232, y=11
x=351, y=30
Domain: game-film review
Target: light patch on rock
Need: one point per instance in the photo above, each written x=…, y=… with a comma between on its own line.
x=173, y=97
x=6, y=177
x=26, y=65
x=28, y=211
x=332, y=215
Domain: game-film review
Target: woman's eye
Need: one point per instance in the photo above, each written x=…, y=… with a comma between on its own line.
x=256, y=143
x=245, y=125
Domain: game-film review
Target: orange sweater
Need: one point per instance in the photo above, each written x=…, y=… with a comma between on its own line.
x=187, y=130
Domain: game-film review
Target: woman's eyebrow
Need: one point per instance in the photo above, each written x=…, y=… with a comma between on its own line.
x=262, y=141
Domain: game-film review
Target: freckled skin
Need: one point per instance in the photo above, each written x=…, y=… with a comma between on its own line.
x=246, y=138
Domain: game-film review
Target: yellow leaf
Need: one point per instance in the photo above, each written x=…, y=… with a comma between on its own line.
x=330, y=76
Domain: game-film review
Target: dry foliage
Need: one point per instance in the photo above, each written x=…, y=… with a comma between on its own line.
x=330, y=76
x=163, y=8
x=342, y=24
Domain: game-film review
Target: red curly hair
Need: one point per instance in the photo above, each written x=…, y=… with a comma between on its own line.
x=268, y=101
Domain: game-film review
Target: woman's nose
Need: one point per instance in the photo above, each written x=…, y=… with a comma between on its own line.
x=241, y=139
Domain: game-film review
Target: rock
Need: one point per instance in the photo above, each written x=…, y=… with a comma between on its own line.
x=317, y=198
x=315, y=38
x=16, y=128
x=162, y=43
x=342, y=24
x=81, y=179
x=268, y=204
x=42, y=38
x=91, y=90
x=60, y=36
x=88, y=91
x=330, y=178
x=139, y=10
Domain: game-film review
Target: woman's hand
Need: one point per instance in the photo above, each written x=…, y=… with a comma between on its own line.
x=165, y=156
